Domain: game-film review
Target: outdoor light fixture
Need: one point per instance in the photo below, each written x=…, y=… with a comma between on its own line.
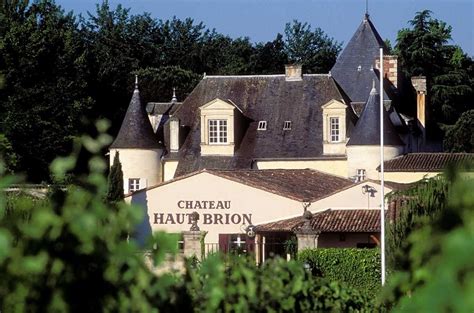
x=367, y=189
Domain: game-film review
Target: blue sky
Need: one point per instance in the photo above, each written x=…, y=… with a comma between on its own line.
x=261, y=20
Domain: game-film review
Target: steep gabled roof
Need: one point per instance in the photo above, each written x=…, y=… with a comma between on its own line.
x=362, y=50
x=260, y=97
x=367, y=129
x=136, y=131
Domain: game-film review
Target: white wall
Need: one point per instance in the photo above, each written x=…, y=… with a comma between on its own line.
x=139, y=163
x=256, y=204
x=368, y=158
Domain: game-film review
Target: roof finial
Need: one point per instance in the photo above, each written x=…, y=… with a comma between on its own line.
x=366, y=18
x=174, y=98
x=373, y=91
x=136, y=81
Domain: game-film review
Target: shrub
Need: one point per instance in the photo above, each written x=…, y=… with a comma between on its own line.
x=276, y=286
x=359, y=268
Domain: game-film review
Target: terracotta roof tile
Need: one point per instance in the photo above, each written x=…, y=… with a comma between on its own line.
x=359, y=220
x=428, y=162
x=298, y=184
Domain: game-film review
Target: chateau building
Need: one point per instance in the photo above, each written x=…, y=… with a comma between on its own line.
x=255, y=149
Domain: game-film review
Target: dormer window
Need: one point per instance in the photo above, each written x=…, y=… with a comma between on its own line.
x=335, y=129
x=287, y=125
x=360, y=175
x=217, y=131
x=221, y=127
x=262, y=125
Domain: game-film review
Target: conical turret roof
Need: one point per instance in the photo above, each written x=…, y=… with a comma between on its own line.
x=136, y=131
x=367, y=130
x=353, y=69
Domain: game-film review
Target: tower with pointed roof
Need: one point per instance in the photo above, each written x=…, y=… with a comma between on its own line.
x=140, y=150
x=357, y=65
x=363, y=147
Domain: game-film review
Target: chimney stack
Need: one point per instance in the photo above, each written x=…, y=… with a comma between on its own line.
x=390, y=68
x=174, y=134
x=419, y=83
x=293, y=72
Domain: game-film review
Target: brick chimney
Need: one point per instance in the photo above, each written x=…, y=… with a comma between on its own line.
x=293, y=72
x=390, y=68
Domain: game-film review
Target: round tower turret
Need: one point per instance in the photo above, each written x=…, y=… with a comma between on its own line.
x=363, y=148
x=140, y=151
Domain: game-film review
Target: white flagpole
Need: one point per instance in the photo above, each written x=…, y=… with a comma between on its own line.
x=382, y=193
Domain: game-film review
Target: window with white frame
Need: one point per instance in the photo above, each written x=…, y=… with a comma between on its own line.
x=360, y=175
x=334, y=129
x=217, y=131
x=287, y=125
x=133, y=184
x=262, y=125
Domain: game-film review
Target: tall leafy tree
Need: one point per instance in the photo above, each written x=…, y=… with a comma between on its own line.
x=312, y=48
x=45, y=94
x=115, y=181
x=424, y=49
x=460, y=136
x=270, y=57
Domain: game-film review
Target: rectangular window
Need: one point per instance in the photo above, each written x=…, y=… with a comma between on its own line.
x=217, y=131
x=287, y=125
x=334, y=124
x=360, y=175
x=133, y=184
x=262, y=125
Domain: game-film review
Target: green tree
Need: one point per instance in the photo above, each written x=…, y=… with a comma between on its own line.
x=422, y=50
x=270, y=57
x=115, y=181
x=45, y=92
x=460, y=136
x=438, y=271
x=312, y=49
x=422, y=204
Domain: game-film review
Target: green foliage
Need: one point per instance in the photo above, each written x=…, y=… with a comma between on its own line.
x=359, y=268
x=424, y=50
x=276, y=286
x=45, y=94
x=460, y=137
x=7, y=154
x=312, y=49
x=424, y=202
x=115, y=181
x=67, y=253
x=439, y=272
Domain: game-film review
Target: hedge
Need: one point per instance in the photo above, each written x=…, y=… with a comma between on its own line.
x=359, y=268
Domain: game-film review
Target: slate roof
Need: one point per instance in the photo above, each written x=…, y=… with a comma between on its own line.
x=136, y=131
x=160, y=108
x=298, y=184
x=350, y=221
x=260, y=97
x=367, y=129
x=425, y=162
x=362, y=49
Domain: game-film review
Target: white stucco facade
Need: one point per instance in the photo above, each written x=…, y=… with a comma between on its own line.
x=142, y=164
